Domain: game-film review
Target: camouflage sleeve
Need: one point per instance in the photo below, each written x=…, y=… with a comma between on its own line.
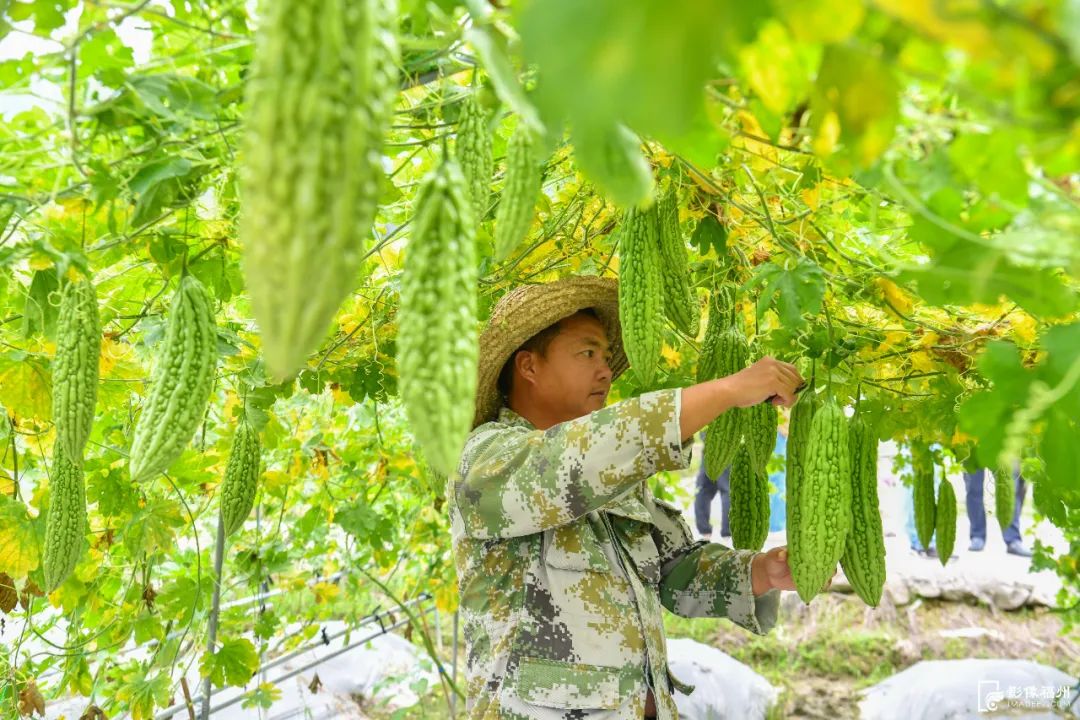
x=518, y=481
x=714, y=581
x=703, y=579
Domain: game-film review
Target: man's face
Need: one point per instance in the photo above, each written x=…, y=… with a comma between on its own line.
x=574, y=378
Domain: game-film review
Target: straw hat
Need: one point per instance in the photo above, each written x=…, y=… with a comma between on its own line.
x=525, y=311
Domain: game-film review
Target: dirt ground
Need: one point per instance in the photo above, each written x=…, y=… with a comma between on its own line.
x=821, y=655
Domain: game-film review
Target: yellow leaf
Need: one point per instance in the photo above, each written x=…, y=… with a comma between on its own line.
x=446, y=598
x=340, y=396
x=19, y=552
x=231, y=401
x=751, y=126
x=827, y=135
x=274, y=481
x=892, y=338
x=929, y=339
x=921, y=361
x=325, y=591
x=672, y=356
x=1023, y=327
x=25, y=389
x=894, y=295
x=959, y=438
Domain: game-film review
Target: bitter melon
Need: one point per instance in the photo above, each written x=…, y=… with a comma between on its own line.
x=864, y=555
x=749, y=514
x=945, y=520
x=724, y=434
x=75, y=369
x=1004, y=497
x=923, y=495
x=320, y=94
x=802, y=415
x=241, y=478
x=680, y=303
x=760, y=432
x=640, y=292
x=720, y=319
x=181, y=383
x=437, y=343
x=524, y=174
x=474, y=153
x=824, y=502
x=65, y=523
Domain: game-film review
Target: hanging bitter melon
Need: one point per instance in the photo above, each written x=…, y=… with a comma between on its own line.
x=181, y=383
x=437, y=340
x=319, y=97
x=749, y=513
x=680, y=302
x=65, y=524
x=640, y=292
x=241, y=478
x=824, y=502
x=75, y=369
x=864, y=555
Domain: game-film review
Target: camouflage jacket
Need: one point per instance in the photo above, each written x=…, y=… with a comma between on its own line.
x=565, y=558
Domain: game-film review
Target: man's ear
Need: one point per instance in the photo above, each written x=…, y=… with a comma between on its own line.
x=525, y=365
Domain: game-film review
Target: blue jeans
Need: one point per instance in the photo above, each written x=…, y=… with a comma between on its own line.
x=976, y=483
x=706, y=491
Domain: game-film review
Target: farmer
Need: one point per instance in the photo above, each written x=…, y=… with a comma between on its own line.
x=564, y=557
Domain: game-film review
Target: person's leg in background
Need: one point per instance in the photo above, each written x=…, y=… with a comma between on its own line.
x=974, y=483
x=706, y=491
x=723, y=485
x=1013, y=542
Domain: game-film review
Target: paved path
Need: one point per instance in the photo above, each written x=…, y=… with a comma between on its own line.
x=991, y=576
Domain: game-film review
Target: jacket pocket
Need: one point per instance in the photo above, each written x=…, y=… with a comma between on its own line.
x=551, y=683
x=575, y=547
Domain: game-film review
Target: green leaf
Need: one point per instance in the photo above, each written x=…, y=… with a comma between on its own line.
x=19, y=549
x=778, y=69
x=42, y=304
x=710, y=234
x=105, y=56
x=797, y=291
x=47, y=14
x=611, y=157
x=821, y=20
x=608, y=61
x=143, y=688
x=1061, y=453
x=502, y=75
x=992, y=163
x=967, y=273
x=153, y=527
x=176, y=97
x=232, y=664
x=263, y=696
x=985, y=414
x=857, y=91
x=157, y=185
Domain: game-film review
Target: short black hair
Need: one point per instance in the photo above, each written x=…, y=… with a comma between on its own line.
x=538, y=343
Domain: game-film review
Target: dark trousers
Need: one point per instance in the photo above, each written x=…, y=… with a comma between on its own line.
x=976, y=510
x=706, y=491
